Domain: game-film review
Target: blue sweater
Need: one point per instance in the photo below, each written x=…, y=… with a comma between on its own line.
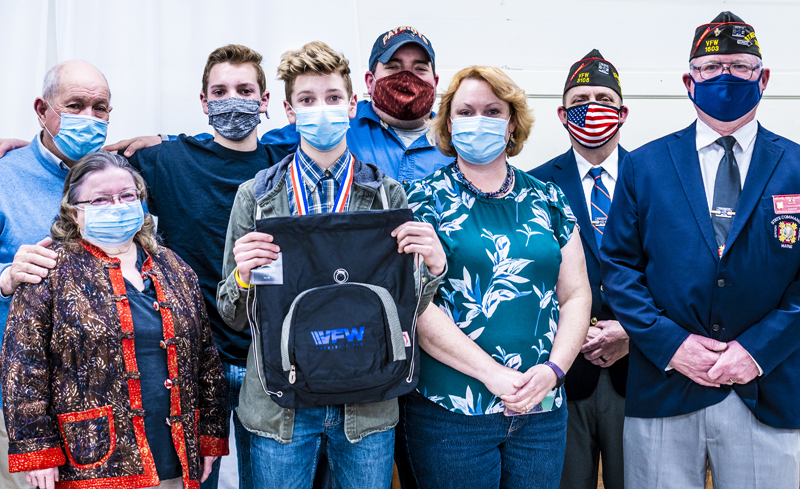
x=30, y=195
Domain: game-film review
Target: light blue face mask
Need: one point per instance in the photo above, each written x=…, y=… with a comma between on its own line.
x=79, y=135
x=323, y=126
x=112, y=225
x=479, y=140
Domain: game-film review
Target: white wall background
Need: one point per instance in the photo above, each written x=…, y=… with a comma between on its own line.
x=153, y=53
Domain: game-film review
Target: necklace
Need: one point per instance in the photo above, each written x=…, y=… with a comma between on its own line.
x=488, y=195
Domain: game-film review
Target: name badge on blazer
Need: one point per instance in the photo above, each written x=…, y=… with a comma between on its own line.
x=786, y=204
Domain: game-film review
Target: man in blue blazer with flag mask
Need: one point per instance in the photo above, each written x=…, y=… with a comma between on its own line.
x=700, y=263
x=592, y=112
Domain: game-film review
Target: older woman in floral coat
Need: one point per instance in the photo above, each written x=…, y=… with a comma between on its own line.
x=110, y=377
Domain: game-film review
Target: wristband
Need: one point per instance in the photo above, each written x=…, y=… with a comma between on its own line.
x=239, y=282
x=559, y=373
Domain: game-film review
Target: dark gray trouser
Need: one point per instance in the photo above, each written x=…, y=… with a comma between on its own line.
x=662, y=453
x=594, y=427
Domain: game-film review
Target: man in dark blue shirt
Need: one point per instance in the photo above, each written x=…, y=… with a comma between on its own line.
x=192, y=184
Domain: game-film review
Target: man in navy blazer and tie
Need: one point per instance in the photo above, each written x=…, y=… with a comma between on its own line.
x=700, y=267
x=592, y=112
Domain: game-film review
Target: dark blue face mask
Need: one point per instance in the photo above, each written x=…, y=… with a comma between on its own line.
x=726, y=97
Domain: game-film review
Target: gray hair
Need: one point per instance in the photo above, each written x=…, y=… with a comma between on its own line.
x=52, y=82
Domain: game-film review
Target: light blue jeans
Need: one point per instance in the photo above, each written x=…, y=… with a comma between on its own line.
x=364, y=464
x=234, y=376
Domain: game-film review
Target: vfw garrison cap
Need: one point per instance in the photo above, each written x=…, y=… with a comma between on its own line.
x=726, y=34
x=593, y=70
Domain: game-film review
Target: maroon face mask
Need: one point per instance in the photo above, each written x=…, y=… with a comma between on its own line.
x=404, y=96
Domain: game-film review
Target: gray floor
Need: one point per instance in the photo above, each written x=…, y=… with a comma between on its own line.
x=229, y=468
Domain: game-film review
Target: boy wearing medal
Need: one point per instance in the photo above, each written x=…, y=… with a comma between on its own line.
x=322, y=176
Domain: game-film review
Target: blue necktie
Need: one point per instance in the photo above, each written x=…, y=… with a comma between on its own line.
x=601, y=203
x=727, y=189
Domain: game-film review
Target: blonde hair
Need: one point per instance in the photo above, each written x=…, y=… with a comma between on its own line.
x=505, y=89
x=315, y=58
x=65, y=228
x=235, y=54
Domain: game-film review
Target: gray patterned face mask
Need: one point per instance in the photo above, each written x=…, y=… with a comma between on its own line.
x=234, y=118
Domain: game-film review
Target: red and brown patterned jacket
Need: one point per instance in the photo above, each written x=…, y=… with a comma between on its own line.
x=71, y=391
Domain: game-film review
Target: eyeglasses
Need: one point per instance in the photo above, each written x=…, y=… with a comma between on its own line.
x=125, y=196
x=715, y=68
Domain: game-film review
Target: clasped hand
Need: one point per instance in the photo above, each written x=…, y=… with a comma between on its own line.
x=712, y=363
x=605, y=343
x=522, y=391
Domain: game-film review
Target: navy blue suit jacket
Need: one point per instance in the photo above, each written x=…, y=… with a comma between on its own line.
x=583, y=375
x=665, y=280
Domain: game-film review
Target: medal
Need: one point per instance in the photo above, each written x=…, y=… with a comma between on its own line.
x=340, y=204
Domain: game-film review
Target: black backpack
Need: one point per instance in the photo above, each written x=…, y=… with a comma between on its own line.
x=341, y=328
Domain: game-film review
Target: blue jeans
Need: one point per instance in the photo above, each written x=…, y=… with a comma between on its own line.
x=404, y=473
x=234, y=376
x=450, y=450
x=365, y=464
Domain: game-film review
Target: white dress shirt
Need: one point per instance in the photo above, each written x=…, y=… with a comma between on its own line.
x=710, y=153
x=48, y=155
x=608, y=177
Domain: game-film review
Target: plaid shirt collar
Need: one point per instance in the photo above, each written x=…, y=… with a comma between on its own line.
x=312, y=173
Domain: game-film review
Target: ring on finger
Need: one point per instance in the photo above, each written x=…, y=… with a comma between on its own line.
x=603, y=359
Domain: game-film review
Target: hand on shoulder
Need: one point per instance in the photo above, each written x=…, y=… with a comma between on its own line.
x=133, y=145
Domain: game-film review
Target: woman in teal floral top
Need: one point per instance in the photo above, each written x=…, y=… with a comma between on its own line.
x=513, y=307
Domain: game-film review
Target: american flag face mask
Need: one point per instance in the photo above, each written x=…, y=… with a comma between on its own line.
x=592, y=124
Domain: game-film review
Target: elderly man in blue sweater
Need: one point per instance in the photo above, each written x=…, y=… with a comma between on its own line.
x=73, y=113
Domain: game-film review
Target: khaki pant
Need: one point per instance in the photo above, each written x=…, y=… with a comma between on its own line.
x=742, y=452
x=8, y=480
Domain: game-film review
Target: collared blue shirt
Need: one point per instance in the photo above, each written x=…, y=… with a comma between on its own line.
x=373, y=141
x=321, y=185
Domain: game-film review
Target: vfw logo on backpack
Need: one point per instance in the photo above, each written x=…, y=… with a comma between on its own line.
x=329, y=338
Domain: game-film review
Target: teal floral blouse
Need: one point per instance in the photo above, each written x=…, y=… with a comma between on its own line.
x=503, y=259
